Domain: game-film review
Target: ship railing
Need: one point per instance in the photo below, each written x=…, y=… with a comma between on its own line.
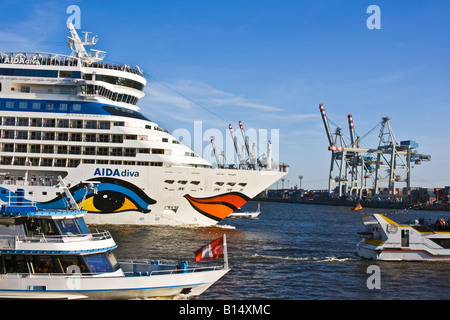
x=172, y=271
x=67, y=238
x=132, y=268
x=51, y=59
x=38, y=58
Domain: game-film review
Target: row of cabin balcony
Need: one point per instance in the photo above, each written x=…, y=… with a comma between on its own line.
x=65, y=123
x=78, y=150
x=69, y=163
x=73, y=137
x=65, y=136
x=58, y=123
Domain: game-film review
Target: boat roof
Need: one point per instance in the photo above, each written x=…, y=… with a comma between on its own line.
x=7, y=210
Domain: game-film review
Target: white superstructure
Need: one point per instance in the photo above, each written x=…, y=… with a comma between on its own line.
x=76, y=117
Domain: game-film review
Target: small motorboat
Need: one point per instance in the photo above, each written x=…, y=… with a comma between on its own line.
x=246, y=214
x=385, y=239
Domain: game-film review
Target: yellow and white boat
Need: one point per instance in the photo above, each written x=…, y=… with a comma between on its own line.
x=385, y=239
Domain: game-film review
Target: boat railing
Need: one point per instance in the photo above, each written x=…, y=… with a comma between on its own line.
x=172, y=270
x=66, y=238
x=50, y=59
x=153, y=268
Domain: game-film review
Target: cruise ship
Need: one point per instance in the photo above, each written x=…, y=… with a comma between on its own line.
x=76, y=116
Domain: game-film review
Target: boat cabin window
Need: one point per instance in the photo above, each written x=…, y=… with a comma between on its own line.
x=72, y=264
x=101, y=262
x=9, y=227
x=67, y=226
x=14, y=263
x=40, y=226
x=82, y=226
x=42, y=264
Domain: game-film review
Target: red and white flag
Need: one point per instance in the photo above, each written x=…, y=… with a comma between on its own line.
x=212, y=250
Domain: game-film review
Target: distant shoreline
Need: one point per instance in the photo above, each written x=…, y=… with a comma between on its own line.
x=352, y=203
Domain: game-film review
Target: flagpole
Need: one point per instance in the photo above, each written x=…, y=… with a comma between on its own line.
x=225, y=252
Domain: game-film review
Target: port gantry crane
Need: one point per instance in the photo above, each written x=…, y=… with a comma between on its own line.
x=355, y=164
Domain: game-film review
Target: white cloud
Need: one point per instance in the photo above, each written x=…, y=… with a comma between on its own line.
x=186, y=94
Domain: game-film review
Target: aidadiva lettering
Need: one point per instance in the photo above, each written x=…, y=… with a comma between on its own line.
x=107, y=172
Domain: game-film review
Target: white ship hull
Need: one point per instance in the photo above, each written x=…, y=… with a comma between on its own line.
x=111, y=287
x=148, y=195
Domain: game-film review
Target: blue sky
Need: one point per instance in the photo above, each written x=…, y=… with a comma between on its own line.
x=269, y=64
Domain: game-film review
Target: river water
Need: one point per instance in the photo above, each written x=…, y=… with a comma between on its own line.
x=293, y=252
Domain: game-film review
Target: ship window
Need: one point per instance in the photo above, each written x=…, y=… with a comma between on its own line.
x=36, y=122
x=63, y=106
x=15, y=263
x=76, y=124
x=36, y=105
x=444, y=243
x=0, y=86
x=35, y=148
x=104, y=125
x=91, y=137
x=46, y=162
x=63, y=136
x=9, y=104
x=60, y=162
x=23, y=105
x=67, y=226
x=90, y=124
x=101, y=262
x=21, y=148
x=9, y=121
x=29, y=73
x=49, y=123
x=41, y=226
x=123, y=112
x=63, y=123
x=42, y=264
x=23, y=122
x=23, y=135
x=72, y=261
x=77, y=107
x=82, y=226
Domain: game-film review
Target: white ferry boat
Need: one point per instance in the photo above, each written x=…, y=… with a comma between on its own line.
x=246, y=214
x=76, y=117
x=385, y=239
x=50, y=254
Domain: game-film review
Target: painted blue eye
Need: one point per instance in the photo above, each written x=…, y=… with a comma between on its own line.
x=112, y=196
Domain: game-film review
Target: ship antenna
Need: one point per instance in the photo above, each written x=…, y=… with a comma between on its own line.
x=78, y=49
